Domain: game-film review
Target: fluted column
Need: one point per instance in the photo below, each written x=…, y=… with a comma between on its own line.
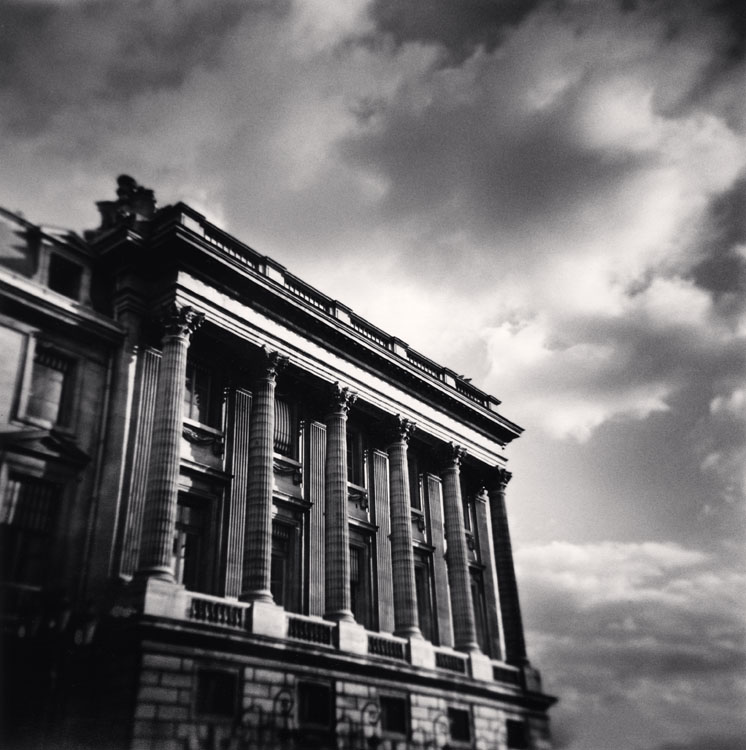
x=459, y=579
x=510, y=610
x=337, y=574
x=159, y=521
x=257, y=560
x=406, y=620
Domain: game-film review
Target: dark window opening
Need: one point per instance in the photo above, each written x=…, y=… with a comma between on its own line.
x=315, y=705
x=286, y=432
x=423, y=588
x=480, y=611
x=284, y=583
x=355, y=457
x=50, y=379
x=190, y=543
x=360, y=583
x=64, y=276
x=217, y=692
x=517, y=734
x=27, y=520
x=394, y=714
x=415, y=486
x=200, y=402
x=460, y=725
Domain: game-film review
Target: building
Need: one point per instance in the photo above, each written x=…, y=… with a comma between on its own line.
x=237, y=515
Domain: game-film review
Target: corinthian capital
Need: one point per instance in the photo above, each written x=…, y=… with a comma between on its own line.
x=401, y=429
x=182, y=321
x=453, y=455
x=342, y=398
x=501, y=477
x=272, y=363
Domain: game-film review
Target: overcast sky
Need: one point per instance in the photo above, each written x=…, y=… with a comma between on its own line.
x=549, y=197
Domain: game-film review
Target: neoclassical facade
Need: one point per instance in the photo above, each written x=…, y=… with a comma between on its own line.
x=234, y=514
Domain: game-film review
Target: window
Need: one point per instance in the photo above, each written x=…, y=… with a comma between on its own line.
x=394, y=714
x=64, y=276
x=217, y=692
x=283, y=573
x=27, y=520
x=200, y=402
x=517, y=734
x=50, y=385
x=190, y=543
x=360, y=579
x=480, y=610
x=315, y=705
x=423, y=587
x=460, y=724
x=286, y=432
x=415, y=487
x=355, y=457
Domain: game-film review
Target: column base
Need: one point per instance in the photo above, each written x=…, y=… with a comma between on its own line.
x=351, y=637
x=156, y=596
x=267, y=618
x=480, y=666
x=421, y=653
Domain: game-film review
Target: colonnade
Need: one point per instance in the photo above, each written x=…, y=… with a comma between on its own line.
x=162, y=497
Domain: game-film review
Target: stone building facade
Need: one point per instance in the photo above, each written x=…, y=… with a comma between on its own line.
x=234, y=514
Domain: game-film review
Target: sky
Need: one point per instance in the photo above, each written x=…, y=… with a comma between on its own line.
x=547, y=196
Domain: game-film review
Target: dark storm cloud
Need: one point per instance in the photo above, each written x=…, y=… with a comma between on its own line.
x=723, y=267
x=459, y=27
x=104, y=50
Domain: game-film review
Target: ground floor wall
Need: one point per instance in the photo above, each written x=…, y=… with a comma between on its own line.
x=159, y=686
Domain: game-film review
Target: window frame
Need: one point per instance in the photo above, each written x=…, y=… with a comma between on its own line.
x=393, y=733
x=363, y=609
x=313, y=686
x=69, y=395
x=214, y=670
x=463, y=710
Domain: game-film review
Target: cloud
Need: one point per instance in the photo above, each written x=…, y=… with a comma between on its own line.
x=652, y=628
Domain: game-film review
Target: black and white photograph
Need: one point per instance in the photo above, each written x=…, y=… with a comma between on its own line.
x=373, y=374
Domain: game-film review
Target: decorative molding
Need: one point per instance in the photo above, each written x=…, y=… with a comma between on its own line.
x=453, y=455
x=182, y=321
x=287, y=469
x=401, y=429
x=272, y=362
x=342, y=398
x=198, y=437
x=359, y=496
x=419, y=519
x=501, y=477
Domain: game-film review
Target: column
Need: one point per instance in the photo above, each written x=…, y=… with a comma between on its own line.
x=382, y=519
x=515, y=647
x=406, y=621
x=257, y=559
x=159, y=521
x=337, y=574
x=464, y=628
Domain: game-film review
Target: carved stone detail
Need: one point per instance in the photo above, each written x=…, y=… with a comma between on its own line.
x=453, y=455
x=272, y=363
x=182, y=321
x=197, y=437
x=342, y=398
x=401, y=429
x=502, y=477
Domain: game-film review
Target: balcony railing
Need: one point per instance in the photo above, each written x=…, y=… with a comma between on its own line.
x=451, y=661
x=389, y=646
x=310, y=630
x=216, y=611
